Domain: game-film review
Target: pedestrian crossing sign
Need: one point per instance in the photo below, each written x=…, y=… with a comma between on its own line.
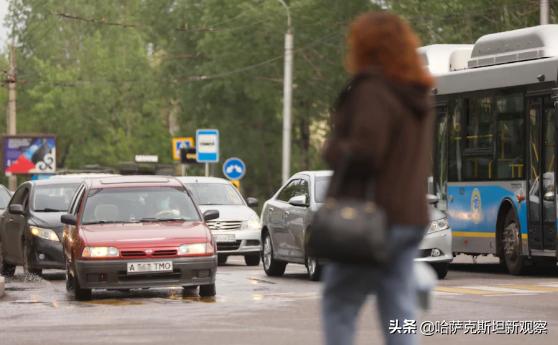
x=178, y=143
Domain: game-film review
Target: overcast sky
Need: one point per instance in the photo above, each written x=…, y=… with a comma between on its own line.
x=3, y=30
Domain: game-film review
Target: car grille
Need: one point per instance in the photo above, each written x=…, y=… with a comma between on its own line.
x=141, y=253
x=166, y=252
x=224, y=224
x=228, y=245
x=136, y=253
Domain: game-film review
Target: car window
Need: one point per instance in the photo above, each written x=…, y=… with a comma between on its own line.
x=19, y=195
x=133, y=205
x=321, y=185
x=288, y=191
x=76, y=202
x=215, y=194
x=75, y=199
x=4, y=198
x=53, y=198
x=301, y=188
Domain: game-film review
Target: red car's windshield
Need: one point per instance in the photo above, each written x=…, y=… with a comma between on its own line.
x=133, y=205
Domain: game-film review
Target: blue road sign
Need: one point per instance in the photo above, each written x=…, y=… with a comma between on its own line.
x=234, y=168
x=207, y=145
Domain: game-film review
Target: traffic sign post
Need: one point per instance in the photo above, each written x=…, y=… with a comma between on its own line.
x=234, y=169
x=207, y=147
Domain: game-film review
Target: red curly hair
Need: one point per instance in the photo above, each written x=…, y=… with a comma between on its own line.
x=384, y=40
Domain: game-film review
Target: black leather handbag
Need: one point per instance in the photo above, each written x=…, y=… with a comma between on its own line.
x=349, y=230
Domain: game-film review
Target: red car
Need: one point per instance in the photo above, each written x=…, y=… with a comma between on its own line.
x=137, y=232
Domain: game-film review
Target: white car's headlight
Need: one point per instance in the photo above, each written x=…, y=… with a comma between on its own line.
x=253, y=224
x=47, y=234
x=100, y=252
x=196, y=249
x=438, y=225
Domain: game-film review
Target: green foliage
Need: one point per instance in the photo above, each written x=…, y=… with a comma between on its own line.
x=117, y=78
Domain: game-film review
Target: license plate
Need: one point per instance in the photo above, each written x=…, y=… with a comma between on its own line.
x=225, y=238
x=143, y=267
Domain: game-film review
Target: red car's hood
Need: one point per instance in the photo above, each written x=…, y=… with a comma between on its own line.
x=129, y=235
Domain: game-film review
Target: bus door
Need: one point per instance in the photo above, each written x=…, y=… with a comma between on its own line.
x=542, y=169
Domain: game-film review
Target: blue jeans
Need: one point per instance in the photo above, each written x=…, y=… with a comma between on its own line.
x=346, y=288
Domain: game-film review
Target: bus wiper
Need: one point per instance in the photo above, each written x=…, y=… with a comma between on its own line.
x=47, y=209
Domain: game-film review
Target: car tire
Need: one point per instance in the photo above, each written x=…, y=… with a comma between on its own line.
x=208, y=290
x=222, y=259
x=27, y=261
x=73, y=287
x=252, y=260
x=313, y=268
x=272, y=267
x=441, y=269
x=6, y=269
x=511, y=243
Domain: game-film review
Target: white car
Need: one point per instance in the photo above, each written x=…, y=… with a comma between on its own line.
x=237, y=231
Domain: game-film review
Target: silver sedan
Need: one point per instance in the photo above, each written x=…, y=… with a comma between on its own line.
x=287, y=215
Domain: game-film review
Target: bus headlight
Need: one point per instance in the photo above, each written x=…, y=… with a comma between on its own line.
x=438, y=225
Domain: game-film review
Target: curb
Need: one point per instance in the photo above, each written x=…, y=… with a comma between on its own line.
x=2, y=280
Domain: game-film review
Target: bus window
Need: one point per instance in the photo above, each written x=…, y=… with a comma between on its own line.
x=511, y=136
x=478, y=155
x=441, y=155
x=455, y=141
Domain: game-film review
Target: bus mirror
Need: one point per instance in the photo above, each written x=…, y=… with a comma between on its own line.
x=549, y=196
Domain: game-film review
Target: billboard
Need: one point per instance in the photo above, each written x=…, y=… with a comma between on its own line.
x=29, y=154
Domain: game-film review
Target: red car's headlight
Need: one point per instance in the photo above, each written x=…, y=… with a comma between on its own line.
x=100, y=252
x=196, y=249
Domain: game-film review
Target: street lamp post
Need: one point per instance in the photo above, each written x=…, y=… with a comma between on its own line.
x=287, y=97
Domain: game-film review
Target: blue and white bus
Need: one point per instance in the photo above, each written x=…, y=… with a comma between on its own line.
x=495, y=147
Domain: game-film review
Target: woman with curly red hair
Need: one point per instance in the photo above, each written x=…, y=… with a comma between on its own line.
x=383, y=122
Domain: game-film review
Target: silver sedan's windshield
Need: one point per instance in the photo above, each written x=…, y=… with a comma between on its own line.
x=133, y=205
x=215, y=194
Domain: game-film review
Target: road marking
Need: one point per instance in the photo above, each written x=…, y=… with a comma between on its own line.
x=498, y=290
x=502, y=289
x=465, y=290
x=536, y=288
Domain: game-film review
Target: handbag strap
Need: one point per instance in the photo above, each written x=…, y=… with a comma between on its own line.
x=343, y=167
x=342, y=171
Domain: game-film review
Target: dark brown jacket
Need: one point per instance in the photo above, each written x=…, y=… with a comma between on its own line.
x=387, y=129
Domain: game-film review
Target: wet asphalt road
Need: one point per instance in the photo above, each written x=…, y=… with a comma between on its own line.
x=251, y=308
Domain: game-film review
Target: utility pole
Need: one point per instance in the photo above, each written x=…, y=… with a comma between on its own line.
x=11, y=80
x=287, y=97
x=544, y=12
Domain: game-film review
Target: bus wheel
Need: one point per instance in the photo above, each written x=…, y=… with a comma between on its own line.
x=511, y=240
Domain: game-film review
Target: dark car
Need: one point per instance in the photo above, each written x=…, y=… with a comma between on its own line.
x=30, y=228
x=137, y=232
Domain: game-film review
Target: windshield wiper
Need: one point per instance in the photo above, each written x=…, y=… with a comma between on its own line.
x=146, y=220
x=103, y=222
x=46, y=209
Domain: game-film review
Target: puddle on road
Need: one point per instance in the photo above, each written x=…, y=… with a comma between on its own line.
x=254, y=280
x=18, y=288
x=113, y=302
x=189, y=296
